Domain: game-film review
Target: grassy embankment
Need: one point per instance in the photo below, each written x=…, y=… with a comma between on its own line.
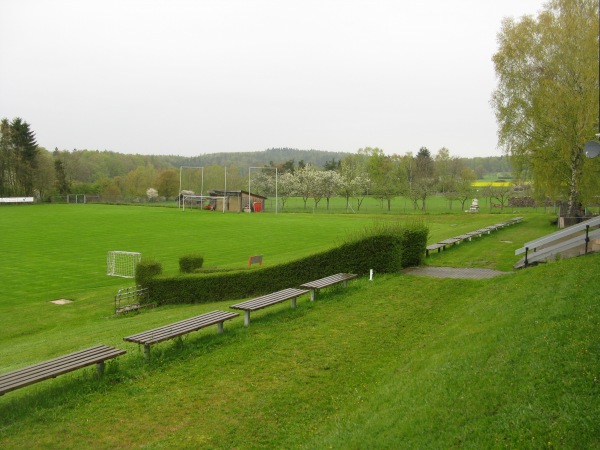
x=398, y=362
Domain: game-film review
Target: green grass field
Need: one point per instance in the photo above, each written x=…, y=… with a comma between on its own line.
x=399, y=362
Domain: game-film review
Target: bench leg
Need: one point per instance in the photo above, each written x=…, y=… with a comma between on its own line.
x=246, y=318
x=312, y=295
x=147, y=352
x=345, y=283
x=100, y=368
x=294, y=302
x=220, y=327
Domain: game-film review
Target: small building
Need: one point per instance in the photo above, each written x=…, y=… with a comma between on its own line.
x=238, y=201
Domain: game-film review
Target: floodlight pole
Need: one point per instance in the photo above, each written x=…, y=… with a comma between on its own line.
x=276, y=201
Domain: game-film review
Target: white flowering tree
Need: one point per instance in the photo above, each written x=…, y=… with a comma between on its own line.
x=328, y=184
x=306, y=180
x=286, y=187
x=152, y=194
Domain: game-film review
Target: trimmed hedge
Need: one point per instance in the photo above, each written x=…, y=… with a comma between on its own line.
x=147, y=270
x=190, y=263
x=384, y=248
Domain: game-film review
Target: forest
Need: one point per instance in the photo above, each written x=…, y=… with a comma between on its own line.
x=27, y=169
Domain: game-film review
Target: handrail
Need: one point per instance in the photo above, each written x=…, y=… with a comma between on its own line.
x=549, y=238
x=547, y=252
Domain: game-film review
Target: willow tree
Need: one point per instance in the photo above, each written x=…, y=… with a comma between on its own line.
x=546, y=101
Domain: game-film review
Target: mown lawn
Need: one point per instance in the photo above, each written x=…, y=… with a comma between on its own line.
x=398, y=362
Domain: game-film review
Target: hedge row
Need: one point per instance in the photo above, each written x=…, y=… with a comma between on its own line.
x=384, y=248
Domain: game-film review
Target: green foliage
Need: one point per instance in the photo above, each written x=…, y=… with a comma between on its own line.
x=414, y=240
x=18, y=151
x=546, y=102
x=146, y=270
x=190, y=263
x=386, y=247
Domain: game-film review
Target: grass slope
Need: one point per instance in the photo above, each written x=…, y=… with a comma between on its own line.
x=401, y=361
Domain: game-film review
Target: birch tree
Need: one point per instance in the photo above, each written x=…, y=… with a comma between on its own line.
x=546, y=100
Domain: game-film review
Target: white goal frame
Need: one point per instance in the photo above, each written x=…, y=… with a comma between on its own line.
x=122, y=264
x=201, y=199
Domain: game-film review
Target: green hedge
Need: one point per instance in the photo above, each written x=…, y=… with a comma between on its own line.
x=146, y=270
x=384, y=248
x=190, y=263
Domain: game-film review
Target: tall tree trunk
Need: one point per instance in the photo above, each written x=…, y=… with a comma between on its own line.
x=574, y=201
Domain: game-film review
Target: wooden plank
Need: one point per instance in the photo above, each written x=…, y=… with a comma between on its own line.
x=329, y=281
x=57, y=366
x=269, y=299
x=449, y=241
x=180, y=328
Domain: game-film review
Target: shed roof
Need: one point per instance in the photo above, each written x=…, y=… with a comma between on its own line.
x=221, y=193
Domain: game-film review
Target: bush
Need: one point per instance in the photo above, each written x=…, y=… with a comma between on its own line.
x=385, y=248
x=190, y=263
x=146, y=270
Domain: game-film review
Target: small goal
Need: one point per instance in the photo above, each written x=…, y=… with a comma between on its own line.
x=122, y=264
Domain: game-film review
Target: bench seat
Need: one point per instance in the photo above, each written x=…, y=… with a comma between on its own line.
x=58, y=366
x=180, y=328
x=449, y=241
x=439, y=247
x=268, y=300
x=321, y=283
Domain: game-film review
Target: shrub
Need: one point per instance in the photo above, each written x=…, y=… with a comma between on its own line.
x=146, y=270
x=190, y=263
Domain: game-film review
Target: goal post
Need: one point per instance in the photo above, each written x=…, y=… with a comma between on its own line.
x=122, y=264
x=201, y=201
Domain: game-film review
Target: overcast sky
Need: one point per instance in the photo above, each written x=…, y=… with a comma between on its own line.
x=205, y=76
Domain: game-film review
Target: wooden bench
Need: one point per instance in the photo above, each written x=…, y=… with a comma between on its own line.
x=314, y=286
x=268, y=300
x=58, y=366
x=178, y=329
x=439, y=247
x=450, y=241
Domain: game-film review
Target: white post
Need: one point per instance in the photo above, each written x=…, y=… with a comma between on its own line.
x=371, y=275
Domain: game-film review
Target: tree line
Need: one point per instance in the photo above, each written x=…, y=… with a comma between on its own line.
x=29, y=170
x=372, y=173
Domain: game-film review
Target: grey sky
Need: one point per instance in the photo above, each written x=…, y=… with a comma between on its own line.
x=193, y=77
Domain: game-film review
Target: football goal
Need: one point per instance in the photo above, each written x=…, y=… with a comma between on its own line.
x=122, y=264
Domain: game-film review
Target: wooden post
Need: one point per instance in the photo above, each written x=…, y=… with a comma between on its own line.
x=147, y=352
x=100, y=368
x=246, y=318
x=220, y=327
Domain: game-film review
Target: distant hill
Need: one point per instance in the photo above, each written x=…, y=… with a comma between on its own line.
x=259, y=158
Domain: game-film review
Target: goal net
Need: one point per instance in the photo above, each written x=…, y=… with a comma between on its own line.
x=209, y=202
x=122, y=264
